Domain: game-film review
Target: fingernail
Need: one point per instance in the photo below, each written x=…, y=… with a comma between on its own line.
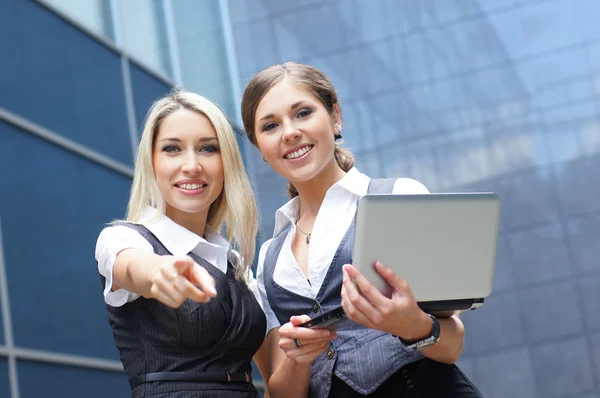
x=325, y=333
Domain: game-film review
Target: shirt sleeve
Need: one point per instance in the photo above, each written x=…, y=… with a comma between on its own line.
x=112, y=241
x=272, y=321
x=408, y=186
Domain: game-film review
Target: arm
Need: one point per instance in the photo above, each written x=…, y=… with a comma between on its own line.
x=452, y=331
x=289, y=364
x=449, y=348
x=292, y=363
x=278, y=365
x=261, y=359
x=399, y=315
x=127, y=261
x=168, y=279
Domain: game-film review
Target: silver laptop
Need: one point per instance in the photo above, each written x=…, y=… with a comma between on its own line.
x=443, y=245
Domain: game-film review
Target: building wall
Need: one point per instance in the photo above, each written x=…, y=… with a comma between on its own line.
x=76, y=81
x=462, y=95
x=481, y=95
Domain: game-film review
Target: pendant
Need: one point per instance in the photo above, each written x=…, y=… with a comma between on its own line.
x=308, y=238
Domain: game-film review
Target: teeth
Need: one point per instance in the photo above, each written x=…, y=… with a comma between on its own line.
x=191, y=187
x=298, y=153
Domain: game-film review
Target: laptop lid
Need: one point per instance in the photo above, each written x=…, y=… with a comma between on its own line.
x=443, y=245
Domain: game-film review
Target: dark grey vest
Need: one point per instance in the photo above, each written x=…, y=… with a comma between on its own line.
x=361, y=357
x=220, y=336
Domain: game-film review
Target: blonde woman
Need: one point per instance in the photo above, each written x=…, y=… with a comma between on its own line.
x=180, y=299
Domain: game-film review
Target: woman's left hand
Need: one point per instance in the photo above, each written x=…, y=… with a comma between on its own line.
x=399, y=315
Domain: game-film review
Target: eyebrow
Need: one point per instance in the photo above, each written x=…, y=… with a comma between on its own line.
x=174, y=139
x=294, y=106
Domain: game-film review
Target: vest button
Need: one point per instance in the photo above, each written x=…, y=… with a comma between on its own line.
x=410, y=383
x=316, y=307
x=330, y=353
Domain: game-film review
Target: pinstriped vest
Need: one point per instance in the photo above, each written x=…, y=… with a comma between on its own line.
x=219, y=336
x=363, y=358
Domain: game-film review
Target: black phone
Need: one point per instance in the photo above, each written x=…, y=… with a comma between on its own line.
x=327, y=319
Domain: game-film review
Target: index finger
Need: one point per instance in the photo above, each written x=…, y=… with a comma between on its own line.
x=201, y=278
x=190, y=291
x=304, y=333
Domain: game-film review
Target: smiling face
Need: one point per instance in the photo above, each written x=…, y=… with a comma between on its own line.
x=187, y=164
x=295, y=132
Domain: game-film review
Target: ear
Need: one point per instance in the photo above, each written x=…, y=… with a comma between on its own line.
x=336, y=115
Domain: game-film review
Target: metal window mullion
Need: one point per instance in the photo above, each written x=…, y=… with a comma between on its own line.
x=234, y=75
x=129, y=105
x=63, y=142
x=173, y=44
x=7, y=324
x=115, y=15
x=67, y=359
x=117, y=19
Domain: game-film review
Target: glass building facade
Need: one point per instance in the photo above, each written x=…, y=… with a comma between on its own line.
x=472, y=95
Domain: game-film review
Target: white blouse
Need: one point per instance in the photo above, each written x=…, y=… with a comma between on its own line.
x=177, y=239
x=333, y=220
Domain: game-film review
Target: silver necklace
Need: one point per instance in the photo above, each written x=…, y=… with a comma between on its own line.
x=307, y=234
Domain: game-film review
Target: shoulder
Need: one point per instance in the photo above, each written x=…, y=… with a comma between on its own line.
x=119, y=230
x=116, y=236
x=264, y=248
x=409, y=186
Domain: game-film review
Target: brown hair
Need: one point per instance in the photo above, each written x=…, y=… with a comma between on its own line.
x=307, y=76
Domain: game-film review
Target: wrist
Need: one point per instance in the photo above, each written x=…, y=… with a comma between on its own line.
x=421, y=329
x=298, y=367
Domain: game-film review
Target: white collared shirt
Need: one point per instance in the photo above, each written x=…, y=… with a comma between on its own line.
x=178, y=240
x=333, y=220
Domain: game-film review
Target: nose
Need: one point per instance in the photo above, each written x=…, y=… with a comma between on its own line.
x=290, y=131
x=191, y=164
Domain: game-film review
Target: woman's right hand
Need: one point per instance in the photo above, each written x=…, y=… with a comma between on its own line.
x=179, y=278
x=312, y=341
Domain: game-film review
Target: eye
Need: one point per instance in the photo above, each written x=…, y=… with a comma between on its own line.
x=269, y=126
x=209, y=148
x=303, y=113
x=170, y=149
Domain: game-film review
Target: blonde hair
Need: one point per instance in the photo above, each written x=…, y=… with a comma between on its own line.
x=309, y=77
x=235, y=208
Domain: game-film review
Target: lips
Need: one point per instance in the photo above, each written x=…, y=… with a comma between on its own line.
x=298, y=152
x=190, y=187
x=191, y=184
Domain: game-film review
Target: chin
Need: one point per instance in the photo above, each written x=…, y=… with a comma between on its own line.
x=305, y=174
x=190, y=208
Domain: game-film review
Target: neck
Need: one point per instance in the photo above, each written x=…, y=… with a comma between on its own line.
x=195, y=222
x=312, y=193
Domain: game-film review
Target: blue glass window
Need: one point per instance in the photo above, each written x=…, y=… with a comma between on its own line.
x=4, y=382
x=49, y=380
x=53, y=206
x=146, y=90
x=60, y=78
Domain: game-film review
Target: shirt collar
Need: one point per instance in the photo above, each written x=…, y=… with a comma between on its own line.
x=177, y=239
x=353, y=183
